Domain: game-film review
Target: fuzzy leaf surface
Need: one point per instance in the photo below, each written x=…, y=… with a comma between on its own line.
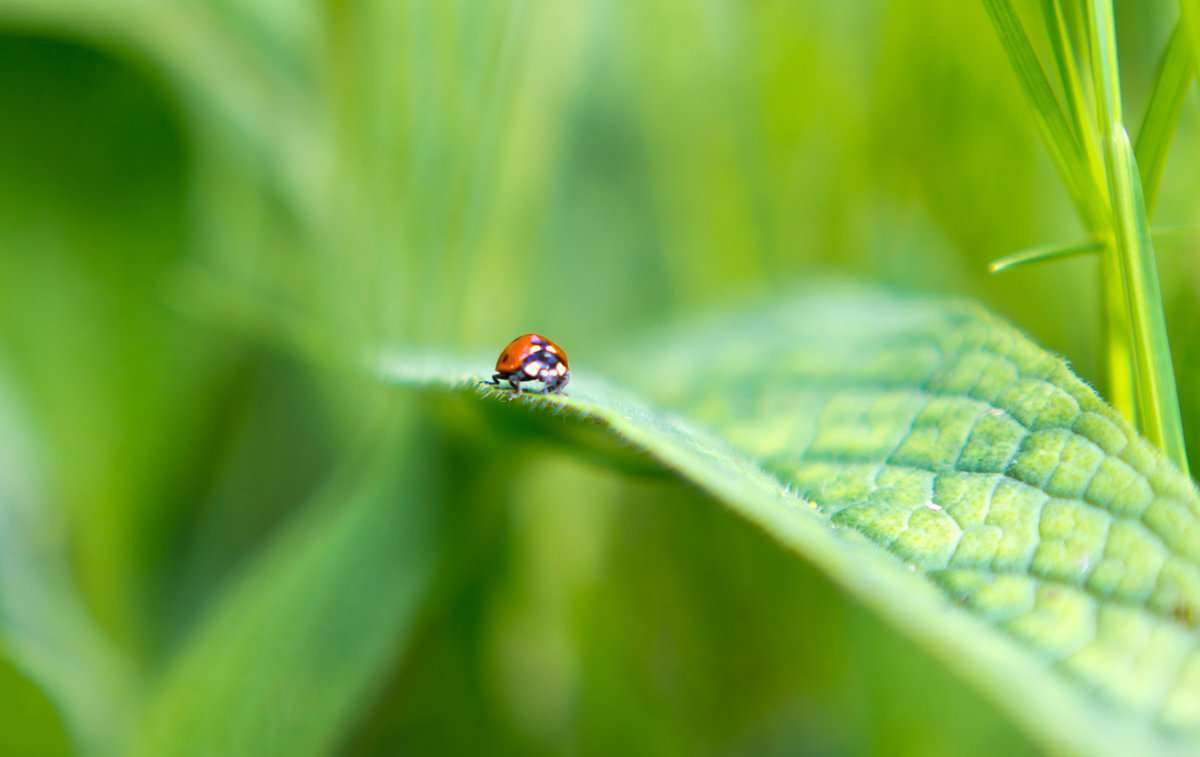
x=947, y=471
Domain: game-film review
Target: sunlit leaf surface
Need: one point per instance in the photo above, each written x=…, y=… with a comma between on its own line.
x=954, y=475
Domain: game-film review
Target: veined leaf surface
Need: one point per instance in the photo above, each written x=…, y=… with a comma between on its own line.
x=949, y=472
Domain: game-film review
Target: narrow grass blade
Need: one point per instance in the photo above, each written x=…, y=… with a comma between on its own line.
x=1172, y=79
x=1043, y=253
x=1083, y=119
x=1173, y=235
x=1158, y=403
x=1065, y=150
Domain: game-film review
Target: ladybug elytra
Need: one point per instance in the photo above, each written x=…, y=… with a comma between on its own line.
x=533, y=357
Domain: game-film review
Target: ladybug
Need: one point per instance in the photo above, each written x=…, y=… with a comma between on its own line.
x=533, y=357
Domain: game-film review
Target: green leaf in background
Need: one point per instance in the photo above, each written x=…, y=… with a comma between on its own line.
x=29, y=724
x=281, y=662
x=47, y=632
x=949, y=472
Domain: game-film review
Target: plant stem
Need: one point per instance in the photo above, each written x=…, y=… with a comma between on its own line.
x=1130, y=255
x=1116, y=332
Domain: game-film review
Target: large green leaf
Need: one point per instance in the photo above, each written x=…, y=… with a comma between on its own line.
x=950, y=473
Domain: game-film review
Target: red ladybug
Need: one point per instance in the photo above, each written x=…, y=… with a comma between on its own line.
x=533, y=357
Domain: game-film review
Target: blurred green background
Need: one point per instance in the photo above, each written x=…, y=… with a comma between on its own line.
x=217, y=533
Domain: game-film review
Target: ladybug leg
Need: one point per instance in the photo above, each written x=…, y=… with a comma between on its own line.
x=516, y=384
x=554, y=383
x=495, y=380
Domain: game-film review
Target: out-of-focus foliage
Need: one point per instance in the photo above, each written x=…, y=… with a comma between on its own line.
x=207, y=206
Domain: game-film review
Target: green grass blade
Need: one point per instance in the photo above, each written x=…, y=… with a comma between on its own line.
x=1083, y=120
x=1171, y=235
x=1158, y=403
x=1053, y=126
x=1043, y=253
x=1172, y=79
x=954, y=476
